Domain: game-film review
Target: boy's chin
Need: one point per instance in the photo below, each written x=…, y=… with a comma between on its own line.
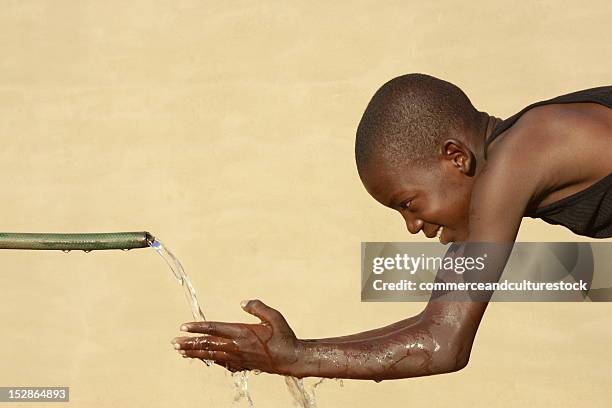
x=445, y=241
x=446, y=236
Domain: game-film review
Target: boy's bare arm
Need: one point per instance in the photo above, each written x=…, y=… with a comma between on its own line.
x=436, y=341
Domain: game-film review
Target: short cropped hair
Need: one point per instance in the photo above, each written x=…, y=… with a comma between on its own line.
x=408, y=118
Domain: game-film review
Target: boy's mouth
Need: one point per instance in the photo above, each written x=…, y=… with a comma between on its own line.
x=439, y=231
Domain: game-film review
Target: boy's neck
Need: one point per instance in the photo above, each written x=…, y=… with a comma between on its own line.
x=492, y=122
x=489, y=124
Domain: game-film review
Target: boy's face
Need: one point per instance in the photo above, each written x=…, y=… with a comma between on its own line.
x=427, y=199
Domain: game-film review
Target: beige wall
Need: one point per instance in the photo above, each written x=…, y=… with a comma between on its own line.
x=227, y=129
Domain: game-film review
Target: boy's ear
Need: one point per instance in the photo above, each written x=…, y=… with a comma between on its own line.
x=460, y=155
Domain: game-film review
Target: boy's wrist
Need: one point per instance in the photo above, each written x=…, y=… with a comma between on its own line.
x=302, y=367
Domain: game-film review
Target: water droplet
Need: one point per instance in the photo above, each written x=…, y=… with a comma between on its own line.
x=256, y=372
x=87, y=251
x=125, y=249
x=65, y=251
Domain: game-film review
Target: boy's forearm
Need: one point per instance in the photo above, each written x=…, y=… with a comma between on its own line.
x=354, y=361
x=418, y=350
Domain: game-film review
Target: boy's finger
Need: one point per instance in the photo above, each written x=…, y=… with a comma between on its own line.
x=227, y=330
x=217, y=356
x=204, y=343
x=265, y=313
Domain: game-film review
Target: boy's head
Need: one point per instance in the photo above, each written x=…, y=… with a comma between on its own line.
x=417, y=147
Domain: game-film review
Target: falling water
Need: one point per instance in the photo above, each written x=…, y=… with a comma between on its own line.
x=241, y=384
x=181, y=276
x=240, y=379
x=302, y=397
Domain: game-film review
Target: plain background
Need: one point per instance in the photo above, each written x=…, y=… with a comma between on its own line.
x=226, y=129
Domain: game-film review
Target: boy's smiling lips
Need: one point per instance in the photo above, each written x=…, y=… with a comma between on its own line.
x=433, y=232
x=437, y=233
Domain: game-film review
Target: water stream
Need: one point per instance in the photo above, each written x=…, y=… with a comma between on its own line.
x=303, y=397
x=183, y=279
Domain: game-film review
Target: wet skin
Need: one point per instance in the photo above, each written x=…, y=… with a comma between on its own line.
x=476, y=200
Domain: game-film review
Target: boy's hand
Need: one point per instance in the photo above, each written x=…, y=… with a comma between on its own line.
x=269, y=346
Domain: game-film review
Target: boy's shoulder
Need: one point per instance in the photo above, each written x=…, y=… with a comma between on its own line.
x=552, y=128
x=556, y=148
x=564, y=117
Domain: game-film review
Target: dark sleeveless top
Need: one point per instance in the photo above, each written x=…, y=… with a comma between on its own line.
x=589, y=211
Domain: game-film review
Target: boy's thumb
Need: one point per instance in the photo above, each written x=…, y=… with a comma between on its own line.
x=265, y=313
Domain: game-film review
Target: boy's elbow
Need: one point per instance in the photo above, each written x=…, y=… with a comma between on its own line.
x=454, y=359
x=454, y=364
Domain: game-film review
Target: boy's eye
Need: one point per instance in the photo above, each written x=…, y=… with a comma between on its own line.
x=405, y=204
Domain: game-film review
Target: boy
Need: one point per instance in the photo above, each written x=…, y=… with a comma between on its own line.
x=423, y=149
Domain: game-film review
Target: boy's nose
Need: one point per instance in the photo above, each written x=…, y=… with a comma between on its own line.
x=414, y=225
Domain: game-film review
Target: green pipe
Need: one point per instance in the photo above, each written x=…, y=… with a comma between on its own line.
x=69, y=242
